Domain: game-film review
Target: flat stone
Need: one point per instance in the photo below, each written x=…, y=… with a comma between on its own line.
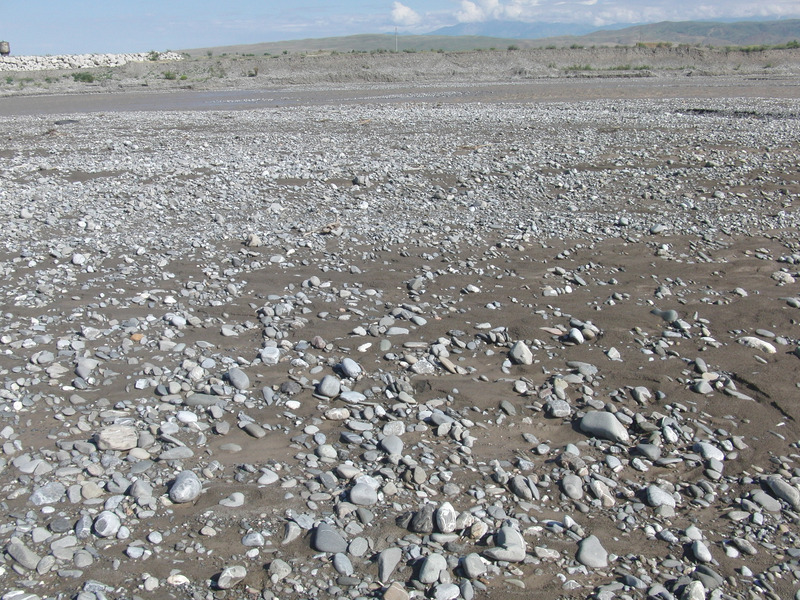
x=185, y=488
x=388, y=560
x=204, y=400
x=238, y=378
x=604, y=425
x=521, y=354
x=327, y=539
x=473, y=565
x=279, y=570
x=446, y=591
x=657, y=496
x=362, y=494
x=396, y=591
x=350, y=368
x=117, y=437
x=572, y=485
x=558, y=409
x=342, y=564
x=591, y=553
x=23, y=555
x=701, y=552
x=766, y=501
x=329, y=386
x=176, y=453
x=431, y=567
x=510, y=546
x=784, y=491
x=231, y=576
x=49, y=493
x=392, y=444
x=235, y=500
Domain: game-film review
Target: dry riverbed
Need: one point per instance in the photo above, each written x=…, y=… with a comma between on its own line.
x=465, y=347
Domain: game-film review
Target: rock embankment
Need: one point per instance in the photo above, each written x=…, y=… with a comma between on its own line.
x=80, y=61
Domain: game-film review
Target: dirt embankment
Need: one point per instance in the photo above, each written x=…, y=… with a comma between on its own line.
x=249, y=72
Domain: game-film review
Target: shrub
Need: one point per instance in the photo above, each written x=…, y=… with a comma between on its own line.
x=513, y=47
x=170, y=75
x=153, y=55
x=83, y=77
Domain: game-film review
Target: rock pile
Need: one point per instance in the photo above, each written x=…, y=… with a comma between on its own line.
x=80, y=61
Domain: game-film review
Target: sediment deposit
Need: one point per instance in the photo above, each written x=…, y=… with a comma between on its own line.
x=408, y=349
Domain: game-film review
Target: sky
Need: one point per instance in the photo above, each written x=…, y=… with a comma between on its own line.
x=40, y=27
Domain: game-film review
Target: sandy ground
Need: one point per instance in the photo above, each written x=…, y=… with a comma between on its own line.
x=517, y=187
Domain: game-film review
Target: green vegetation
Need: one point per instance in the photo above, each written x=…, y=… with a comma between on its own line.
x=576, y=47
x=793, y=45
x=171, y=75
x=578, y=68
x=630, y=68
x=153, y=55
x=83, y=76
x=9, y=80
x=513, y=47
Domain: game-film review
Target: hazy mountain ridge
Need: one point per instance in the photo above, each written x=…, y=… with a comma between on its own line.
x=703, y=33
x=516, y=29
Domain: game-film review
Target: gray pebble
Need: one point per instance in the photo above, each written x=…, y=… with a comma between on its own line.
x=185, y=488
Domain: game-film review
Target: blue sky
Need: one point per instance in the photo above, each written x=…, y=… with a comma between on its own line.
x=85, y=26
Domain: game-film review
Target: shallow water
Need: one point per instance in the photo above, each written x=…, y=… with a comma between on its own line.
x=540, y=90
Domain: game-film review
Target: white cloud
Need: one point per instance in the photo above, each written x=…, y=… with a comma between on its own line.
x=620, y=11
x=405, y=15
x=470, y=13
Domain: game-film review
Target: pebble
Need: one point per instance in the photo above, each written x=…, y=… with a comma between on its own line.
x=591, y=553
x=327, y=364
x=238, y=379
x=521, y=354
x=362, y=494
x=510, y=546
x=231, y=576
x=106, y=524
x=388, y=559
x=329, y=386
x=656, y=497
x=431, y=568
x=604, y=425
x=117, y=437
x=327, y=539
x=185, y=488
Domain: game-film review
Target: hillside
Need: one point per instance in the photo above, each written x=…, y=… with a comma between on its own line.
x=695, y=33
x=364, y=43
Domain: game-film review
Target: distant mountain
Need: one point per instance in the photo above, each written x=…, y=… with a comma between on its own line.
x=696, y=33
x=518, y=29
